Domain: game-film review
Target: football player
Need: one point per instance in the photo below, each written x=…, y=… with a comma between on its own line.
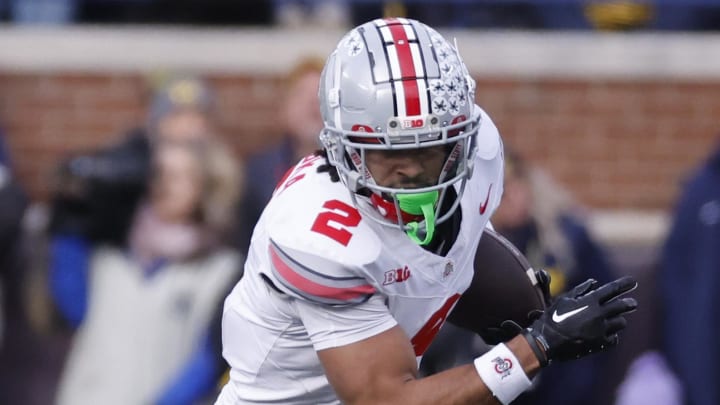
x=367, y=245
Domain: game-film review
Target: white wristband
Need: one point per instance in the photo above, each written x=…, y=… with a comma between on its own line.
x=502, y=373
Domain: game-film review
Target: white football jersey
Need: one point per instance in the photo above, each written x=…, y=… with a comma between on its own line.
x=320, y=275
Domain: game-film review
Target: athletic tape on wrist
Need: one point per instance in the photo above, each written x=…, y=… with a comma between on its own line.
x=502, y=373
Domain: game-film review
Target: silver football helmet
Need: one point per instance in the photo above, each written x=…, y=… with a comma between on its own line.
x=398, y=84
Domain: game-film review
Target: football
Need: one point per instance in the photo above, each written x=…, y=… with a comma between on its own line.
x=504, y=287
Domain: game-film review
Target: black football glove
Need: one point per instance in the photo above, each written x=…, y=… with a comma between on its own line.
x=581, y=321
x=543, y=282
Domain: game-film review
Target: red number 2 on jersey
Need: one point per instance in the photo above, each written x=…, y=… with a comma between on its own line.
x=340, y=214
x=421, y=341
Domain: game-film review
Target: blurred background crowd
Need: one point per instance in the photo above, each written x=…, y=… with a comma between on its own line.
x=140, y=140
x=690, y=15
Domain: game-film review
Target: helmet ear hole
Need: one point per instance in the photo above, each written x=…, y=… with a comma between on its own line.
x=333, y=98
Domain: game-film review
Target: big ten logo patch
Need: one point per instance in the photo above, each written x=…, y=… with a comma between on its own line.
x=397, y=275
x=413, y=123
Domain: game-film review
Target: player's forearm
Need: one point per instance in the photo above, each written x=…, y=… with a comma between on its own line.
x=464, y=385
x=459, y=385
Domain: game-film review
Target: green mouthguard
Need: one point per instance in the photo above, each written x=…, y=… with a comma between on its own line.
x=420, y=204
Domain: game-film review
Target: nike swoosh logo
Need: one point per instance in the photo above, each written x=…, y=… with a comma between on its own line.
x=559, y=318
x=484, y=205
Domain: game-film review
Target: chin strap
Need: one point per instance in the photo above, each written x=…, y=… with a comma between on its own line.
x=420, y=204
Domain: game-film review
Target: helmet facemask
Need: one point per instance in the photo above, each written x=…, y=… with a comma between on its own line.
x=415, y=210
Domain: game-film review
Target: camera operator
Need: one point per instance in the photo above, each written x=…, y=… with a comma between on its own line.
x=96, y=194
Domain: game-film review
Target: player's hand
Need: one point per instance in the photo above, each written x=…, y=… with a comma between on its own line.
x=582, y=321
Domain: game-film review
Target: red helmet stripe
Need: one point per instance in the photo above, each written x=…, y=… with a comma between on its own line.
x=408, y=75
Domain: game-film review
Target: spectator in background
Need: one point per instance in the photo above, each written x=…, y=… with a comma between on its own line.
x=604, y=15
x=543, y=221
x=301, y=126
x=145, y=333
x=16, y=335
x=98, y=194
x=4, y=153
x=690, y=286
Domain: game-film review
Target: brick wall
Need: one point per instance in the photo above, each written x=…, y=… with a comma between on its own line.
x=617, y=144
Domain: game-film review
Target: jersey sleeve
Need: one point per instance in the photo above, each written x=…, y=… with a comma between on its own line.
x=313, y=243
x=330, y=327
x=316, y=279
